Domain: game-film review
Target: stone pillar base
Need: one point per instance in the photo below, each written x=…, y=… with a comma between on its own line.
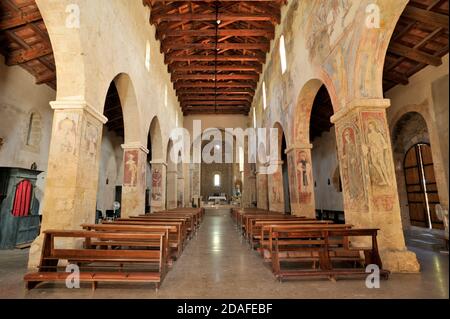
x=400, y=261
x=34, y=256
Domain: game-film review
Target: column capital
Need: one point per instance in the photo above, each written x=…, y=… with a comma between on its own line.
x=160, y=162
x=299, y=146
x=277, y=162
x=358, y=104
x=135, y=146
x=70, y=105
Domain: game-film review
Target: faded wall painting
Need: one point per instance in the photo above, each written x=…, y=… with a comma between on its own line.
x=131, y=168
x=292, y=179
x=304, y=176
x=377, y=149
x=91, y=140
x=277, y=188
x=156, y=186
x=352, y=166
x=67, y=132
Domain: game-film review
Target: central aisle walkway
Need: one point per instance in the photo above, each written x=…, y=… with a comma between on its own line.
x=217, y=264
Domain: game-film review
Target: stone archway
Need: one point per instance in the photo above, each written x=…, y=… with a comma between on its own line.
x=409, y=131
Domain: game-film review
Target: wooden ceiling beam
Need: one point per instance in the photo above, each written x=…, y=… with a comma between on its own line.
x=232, y=85
x=219, y=77
x=157, y=19
x=214, y=97
x=186, y=92
x=269, y=34
x=396, y=77
x=198, y=68
x=414, y=54
x=45, y=77
x=427, y=17
x=221, y=103
x=212, y=111
x=171, y=58
x=19, y=20
x=168, y=45
x=28, y=55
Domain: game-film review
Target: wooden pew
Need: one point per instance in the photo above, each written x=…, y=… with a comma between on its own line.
x=187, y=220
x=118, y=265
x=331, y=248
x=247, y=218
x=174, y=240
x=250, y=220
x=182, y=234
x=256, y=227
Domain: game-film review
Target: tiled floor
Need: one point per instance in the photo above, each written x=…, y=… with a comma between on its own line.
x=217, y=264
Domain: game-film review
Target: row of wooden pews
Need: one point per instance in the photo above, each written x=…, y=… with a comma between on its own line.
x=135, y=249
x=297, y=246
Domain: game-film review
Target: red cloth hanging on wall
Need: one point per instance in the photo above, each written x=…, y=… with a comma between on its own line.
x=22, y=199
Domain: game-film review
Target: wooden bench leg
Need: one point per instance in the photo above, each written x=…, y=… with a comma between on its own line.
x=94, y=285
x=32, y=284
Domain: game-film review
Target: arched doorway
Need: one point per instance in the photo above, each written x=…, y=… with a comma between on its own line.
x=417, y=187
x=421, y=187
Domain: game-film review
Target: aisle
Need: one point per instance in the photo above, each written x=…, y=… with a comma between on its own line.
x=217, y=263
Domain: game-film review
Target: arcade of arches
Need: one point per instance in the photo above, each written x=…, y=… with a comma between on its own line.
x=358, y=95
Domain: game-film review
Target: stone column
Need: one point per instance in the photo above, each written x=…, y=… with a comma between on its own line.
x=134, y=181
x=275, y=189
x=72, y=177
x=180, y=187
x=301, y=180
x=172, y=179
x=195, y=182
x=262, y=189
x=158, y=200
x=368, y=178
x=187, y=187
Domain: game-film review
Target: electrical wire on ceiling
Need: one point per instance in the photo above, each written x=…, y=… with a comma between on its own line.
x=217, y=23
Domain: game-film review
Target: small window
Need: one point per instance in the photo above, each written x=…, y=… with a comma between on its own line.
x=264, y=95
x=283, y=55
x=147, y=56
x=254, y=117
x=217, y=180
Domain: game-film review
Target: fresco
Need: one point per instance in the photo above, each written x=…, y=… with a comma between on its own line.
x=304, y=176
x=352, y=165
x=67, y=132
x=292, y=177
x=131, y=168
x=277, y=188
x=156, y=185
x=91, y=140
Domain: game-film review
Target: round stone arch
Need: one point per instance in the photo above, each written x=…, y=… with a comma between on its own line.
x=130, y=109
x=69, y=58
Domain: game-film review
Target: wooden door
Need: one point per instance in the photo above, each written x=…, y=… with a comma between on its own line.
x=421, y=187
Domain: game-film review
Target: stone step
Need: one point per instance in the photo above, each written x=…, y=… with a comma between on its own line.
x=434, y=245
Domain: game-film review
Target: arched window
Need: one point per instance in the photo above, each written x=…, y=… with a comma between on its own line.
x=217, y=181
x=34, y=130
x=283, y=55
